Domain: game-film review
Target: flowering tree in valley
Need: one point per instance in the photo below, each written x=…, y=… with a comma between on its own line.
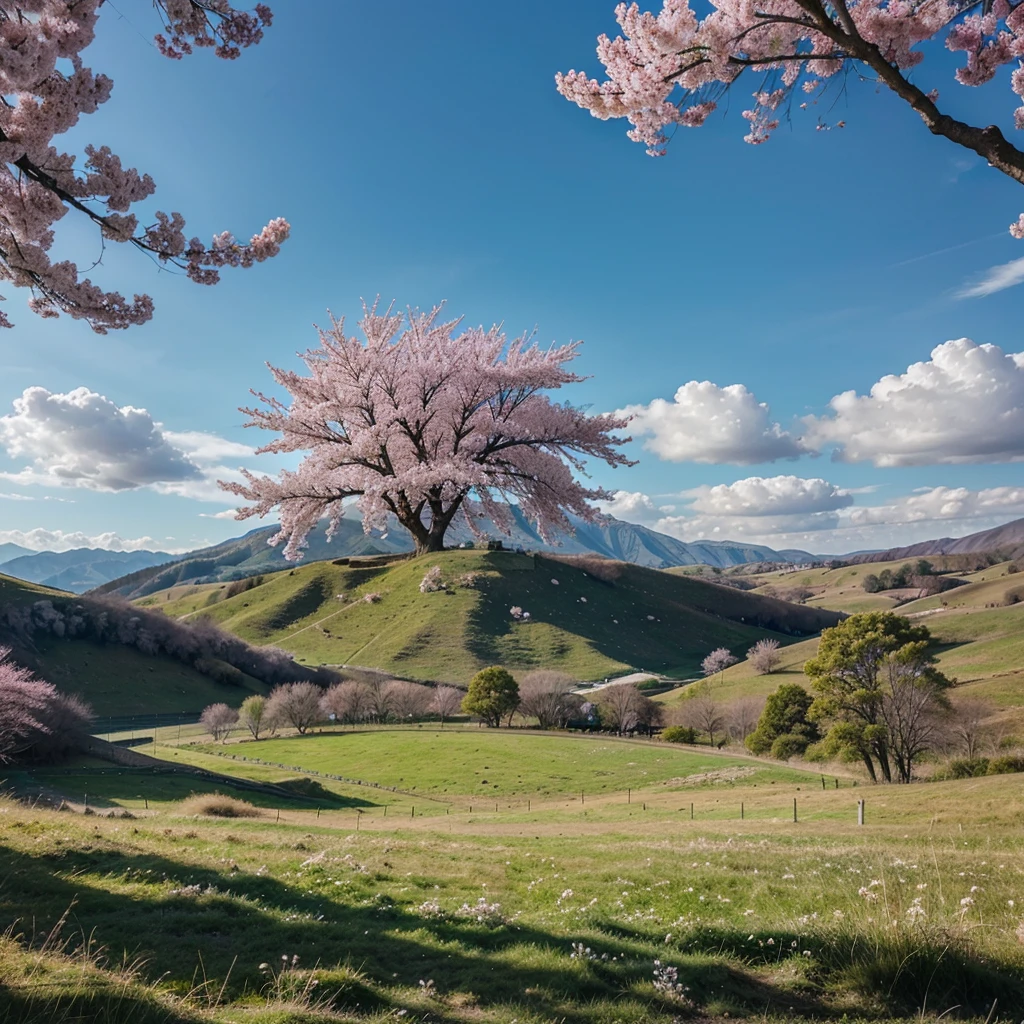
x=673, y=68
x=416, y=421
x=46, y=89
x=23, y=702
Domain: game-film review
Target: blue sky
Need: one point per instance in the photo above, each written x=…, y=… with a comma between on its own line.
x=421, y=153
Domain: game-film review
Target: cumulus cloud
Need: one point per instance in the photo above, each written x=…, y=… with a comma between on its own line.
x=57, y=540
x=817, y=516
x=82, y=439
x=757, y=508
x=634, y=507
x=708, y=423
x=995, y=279
x=770, y=496
x=966, y=404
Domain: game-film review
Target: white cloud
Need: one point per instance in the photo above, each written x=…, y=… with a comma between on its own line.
x=57, y=540
x=964, y=405
x=634, y=507
x=228, y=513
x=708, y=423
x=82, y=439
x=826, y=520
x=769, y=496
x=206, y=448
x=995, y=279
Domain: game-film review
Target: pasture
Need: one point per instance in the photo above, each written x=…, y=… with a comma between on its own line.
x=584, y=907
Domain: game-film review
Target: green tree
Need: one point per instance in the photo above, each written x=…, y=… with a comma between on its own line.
x=785, y=715
x=493, y=693
x=252, y=714
x=871, y=672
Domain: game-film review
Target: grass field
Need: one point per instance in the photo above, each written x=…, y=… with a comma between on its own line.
x=484, y=763
x=635, y=619
x=570, y=911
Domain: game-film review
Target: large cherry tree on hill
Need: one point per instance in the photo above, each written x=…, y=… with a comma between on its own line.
x=46, y=88
x=417, y=422
x=672, y=69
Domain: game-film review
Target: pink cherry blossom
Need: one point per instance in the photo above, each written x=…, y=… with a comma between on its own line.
x=48, y=89
x=426, y=425
x=670, y=69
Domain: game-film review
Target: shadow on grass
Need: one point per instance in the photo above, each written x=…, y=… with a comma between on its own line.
x=372, y=953
x=112, y=787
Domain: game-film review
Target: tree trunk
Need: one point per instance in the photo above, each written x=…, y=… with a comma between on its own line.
x=870, y=765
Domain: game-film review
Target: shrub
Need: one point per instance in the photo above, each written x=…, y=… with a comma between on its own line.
x=789, y=745
x=966, y=768
x=216, y=805
x=679, y=734
x=1006, y=765
x=432, y=582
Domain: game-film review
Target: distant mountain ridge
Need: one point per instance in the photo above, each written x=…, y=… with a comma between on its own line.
x=612, y=538
x=11, y=551
x=1008, y=538
x=80, y=569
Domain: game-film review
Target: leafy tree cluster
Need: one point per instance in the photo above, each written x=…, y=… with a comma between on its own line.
x=907, y=575
x=784, y=729
x=875, y=682
x=493, y=695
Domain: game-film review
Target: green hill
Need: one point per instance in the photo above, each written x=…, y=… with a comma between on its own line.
x=587, y=616
x=978, y=630
x=116, y=680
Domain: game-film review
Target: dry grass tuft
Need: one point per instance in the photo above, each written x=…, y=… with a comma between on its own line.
x=216, y=805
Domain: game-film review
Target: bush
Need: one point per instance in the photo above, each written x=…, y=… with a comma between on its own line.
x=789, y=745
x=679, y=734
x=1006, y=765
x=216, y=805
x=966, y=768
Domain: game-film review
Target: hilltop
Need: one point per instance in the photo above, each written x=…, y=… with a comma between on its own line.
x=610, y=538
x=80, y=569
x=587, y=616
x=1008, y=539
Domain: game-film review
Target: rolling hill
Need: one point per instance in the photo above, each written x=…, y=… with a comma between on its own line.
x=611, y=538
x=587, y=616
x=119, y=678
x=9, y=551
x=1008, y=538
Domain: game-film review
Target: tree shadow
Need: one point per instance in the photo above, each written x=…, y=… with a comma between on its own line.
x=365, y=945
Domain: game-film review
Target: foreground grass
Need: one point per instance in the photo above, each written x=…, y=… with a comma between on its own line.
x=696, y=896
x=512, y=922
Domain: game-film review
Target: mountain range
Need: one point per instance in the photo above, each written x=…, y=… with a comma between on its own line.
x=1007, y=539
x=137, y=573
x=77, y=570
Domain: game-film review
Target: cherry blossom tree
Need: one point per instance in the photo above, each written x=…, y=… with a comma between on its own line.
x=47, y=88
x=218, y=720
x=23, y=703
x=418, y=421
x=673, y=68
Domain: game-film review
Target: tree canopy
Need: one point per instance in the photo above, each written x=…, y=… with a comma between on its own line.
x=493, y=694
x=418, y=420
x=875, y=681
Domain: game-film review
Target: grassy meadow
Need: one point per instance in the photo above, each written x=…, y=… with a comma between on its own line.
x=616, y=907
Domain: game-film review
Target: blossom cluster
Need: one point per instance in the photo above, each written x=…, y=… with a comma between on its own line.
x=49, y=89
x=671, y=69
